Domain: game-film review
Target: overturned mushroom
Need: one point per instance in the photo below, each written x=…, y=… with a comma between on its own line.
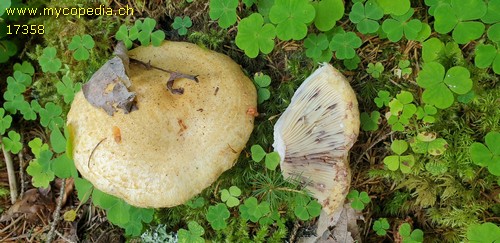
x=315, y=133
x=174, y=145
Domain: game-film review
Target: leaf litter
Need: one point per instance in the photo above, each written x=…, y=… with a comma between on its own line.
x=108, y=88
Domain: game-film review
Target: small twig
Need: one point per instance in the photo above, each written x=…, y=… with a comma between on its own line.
x=290, y=190
x=295, y=229
x=14, y=222
x=56, y=215
x=373, y=144
x=11, y=174
x=173, y=75
x=93, y=150
x=64, y=238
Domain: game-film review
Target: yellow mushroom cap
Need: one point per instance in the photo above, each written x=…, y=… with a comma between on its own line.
x=173, y=146
x=315, y=133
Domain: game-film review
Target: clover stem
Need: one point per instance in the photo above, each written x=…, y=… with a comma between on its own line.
x=21, y=173
x=21, y=169
x=11, y=174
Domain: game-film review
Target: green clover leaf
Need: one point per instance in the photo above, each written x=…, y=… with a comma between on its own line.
x=13, y=101
x=224, y=11
x=193, y=234
x=487, y=55
x=394, y=7
x=291, y=18
x=18, y=82
x=399, y=25
x=432, y=49
x=404, y=66
x=84, y=189
x=343, y=44
x=146, y=34
x=305, y=208
x=433, y=4
x=375, y=69
x=398, y=123
x=485, y=232
x=196, y=202
x=439, y=88
x=494, y=32
x=81, y=45
x=370, y=122
x=133, y=227
x=50, y=116
x=25, y=68
x=365, y=16
x=254, y=36
x=230, y=197
x=410, y=236
x=424, y=33
x=316, y=45
x=262, y=82
x=68, y=89
x=4, y=5
x=328, y=12
x=264, y=7
x=380, y=226
x=401, y=105
x=40, y=177
x=217, y=216
x=127, y=35
x=118, y=212
x=182, y=24
x=456, y=16
x=64, y=167
x=435, y=50
x=40, y=169
x=48, y=60
x=383, y=98
x=57, y=141
x=487, y=155
x=272, y=159
x=399, y=161
x=5, y=121
x=358, y=200
x=399, y=146
x=351, y=63
x=28, y=111
x=258, y=153
x=270, y=219
x=492, y=11
x=7, y=50
x=249, y=3
x=14, y=98
x=426, y=113
x=252, y=210
x=426, y=142
x=12, y=143
x=37, y=146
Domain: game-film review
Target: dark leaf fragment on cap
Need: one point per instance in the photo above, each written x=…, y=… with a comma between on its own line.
x=107, y=88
